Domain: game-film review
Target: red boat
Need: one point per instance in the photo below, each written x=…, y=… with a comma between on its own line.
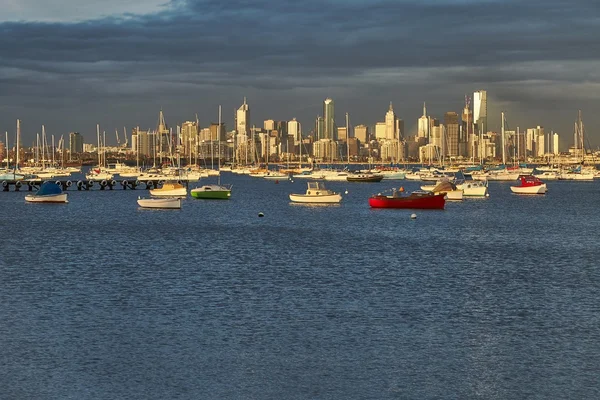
x=417, y=200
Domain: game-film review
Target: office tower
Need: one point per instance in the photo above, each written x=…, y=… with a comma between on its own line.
x=269, y=125
x=480, y=111
x=451, y=137
x=361, y=132
x=329, y=120
x=341, y=133
x=320, y=128
x=555, y=150
x=75, y=143
x=243, y=119
x=423, y=124
x=390, y=124
x=380, y=131
x=293, y=129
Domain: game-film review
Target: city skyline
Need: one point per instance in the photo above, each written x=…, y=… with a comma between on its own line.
x=73, y=67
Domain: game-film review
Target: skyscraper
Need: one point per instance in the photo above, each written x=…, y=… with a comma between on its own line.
x=480, y=110
x=243, y=119
x=329, y=120
x=555, y=150
x=390, y=124
x=75, y=143
x=451, y=138
x=423, y=124
x=293, y=129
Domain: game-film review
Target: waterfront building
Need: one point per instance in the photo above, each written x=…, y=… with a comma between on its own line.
x=423, y=125
x=216, y=134
x=329, y=119
x=75, y=143
x=541, y=143
x=320, y=128
x=361, y=132
x=555, y=140
x=189, y=137
x=391, y=150
x=325, y=150
x=242, y=119
x=480, y=111
x=353, y=146
x=269, y=125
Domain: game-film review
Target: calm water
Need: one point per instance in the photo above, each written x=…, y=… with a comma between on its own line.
x=495, y=298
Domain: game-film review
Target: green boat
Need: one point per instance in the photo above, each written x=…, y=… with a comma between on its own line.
x=215, y=192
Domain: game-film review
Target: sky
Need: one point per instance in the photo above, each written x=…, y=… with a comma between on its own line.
x=70, y=64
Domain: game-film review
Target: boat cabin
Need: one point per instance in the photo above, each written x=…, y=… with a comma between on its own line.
x=316, y=188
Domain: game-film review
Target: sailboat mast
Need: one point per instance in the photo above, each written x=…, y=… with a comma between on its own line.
x=347, y=143
x=503, y=147
x=43, y=145
x=7, y=158
x=219, y=148
x=518, y=140
x=18, y=143
x=53, y=150
x=98, y=137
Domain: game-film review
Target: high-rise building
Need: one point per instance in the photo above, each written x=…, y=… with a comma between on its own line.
x=390, y=123
x=242, y=119
x=75, y=143
x=293, y=129
x=341, y=133
x=3, y=154
x=361, y=132
x=189, y=137
x=451, y=136
x=329, y=119
x=269, y=125
x=320, y=128
x=380, y=130
x=480, y=111
x=555, y=138
x=217, y=134
x=423, y=124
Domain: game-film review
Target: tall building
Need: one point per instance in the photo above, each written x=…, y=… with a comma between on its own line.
x=555, y=150
x=75, y=143
x=341, y=133
x=320, y=128
x=329, y=120
x=242, y=119
x=423, y=124
x=480, y=111
x=189, y=137
x=361, y=132
x=390, y=124
x=380, y=130
x=269, y=125
x=451, y=136
x=293, y=129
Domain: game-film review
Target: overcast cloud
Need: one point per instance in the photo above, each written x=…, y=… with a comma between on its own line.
x=71, y=66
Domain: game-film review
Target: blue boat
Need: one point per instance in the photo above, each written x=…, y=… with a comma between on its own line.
x=49, y=192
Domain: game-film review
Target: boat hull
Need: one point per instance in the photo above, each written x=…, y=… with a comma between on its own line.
x=304, y=198
x=369, y=178
x=52, y=198
x=539, y=189
x=160, y=203
x=214, y=193
x=424, y=202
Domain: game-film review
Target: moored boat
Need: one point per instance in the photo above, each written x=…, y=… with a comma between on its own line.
x=416, y=200
x=316, y=193
x=170, y=190
x=364, y=177
x=529, y=184
x=49, y=192
x=166, y=203
x=212, y=192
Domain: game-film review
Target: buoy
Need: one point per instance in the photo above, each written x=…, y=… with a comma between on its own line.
x=413, y=216
x=487, y=195
x=346, y=192
x=291, y=180
x=261, y=214
x=276, y=180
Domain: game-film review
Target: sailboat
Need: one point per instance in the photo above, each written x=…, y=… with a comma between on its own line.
x=218, y=191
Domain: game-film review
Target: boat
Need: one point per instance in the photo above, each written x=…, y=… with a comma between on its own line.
x=415, y=200
x=449, y=189
x=49, y=192
x=168, y=203
x=213, y=192
x=529, y=184
x=275, y=175
x=366, y=177
x=170, y=190
x=316, y=193
x=472, y=188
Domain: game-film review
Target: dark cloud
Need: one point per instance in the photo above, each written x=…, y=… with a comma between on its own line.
x=286, y=56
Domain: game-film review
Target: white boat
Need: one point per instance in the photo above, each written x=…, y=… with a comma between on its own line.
x=275, y=175
x=170, y=190
x=316, y=193
x=529, y=185
x=472, y=188
x=447, y=187
x=548, y=175
x=49, y=192
x=169, y=203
